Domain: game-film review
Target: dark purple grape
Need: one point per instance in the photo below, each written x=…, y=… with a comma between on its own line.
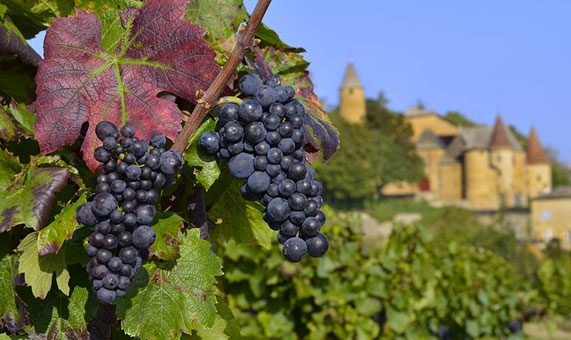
x=241, y=166
x=260, y=163
x=281, y=238
x=297, y=201
x=271, y=121
x=128, y=131
x=286, y=188
x=109, y=143
x=152, y=196
x=228, y=113
x=289, y=229
x=85, y=214
x=209, y=142
x=115, y=264
x=317, y=246
x=273, y=190
x=141, y=196
x=91, y=250
x=102, y=187
x=133, y=172
x=274, y=156
x=286, y=130
x=124, y=239
x=128, y=255
x=304, y=186
x=171, y=162
x=310, y=226
x=297, y=171
x=258, y=182
x=96, y=239
x=297, y=217
x=110, y=242
x=278, y=210
x=129, y=194
x=143, y=237
x=294, y=249
x=117, y=228
x=286, y=162
x=262, y=148
x=116, y=216
x=118, y=186
x=110, y=281
x=129, y=206
x=103, y=227
x=273, y=138
x=255, y=132
x=273, y=170
x=249, y=84
x=250, y=111
x=106, y=129
x=99, y=271
x=321, y=217
x=265, y=95
x=235, y=148
x=312, y=208
x=233, y=132
x=158, y=140
x=110, y=166
x=277, y=109
x=105, y=296
x=129, y=159
x=124, y=282
x=145, y=214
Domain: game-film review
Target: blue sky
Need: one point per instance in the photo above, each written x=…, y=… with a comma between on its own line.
x=479, y=57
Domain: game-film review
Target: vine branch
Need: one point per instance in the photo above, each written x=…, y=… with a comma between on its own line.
x=211, y=96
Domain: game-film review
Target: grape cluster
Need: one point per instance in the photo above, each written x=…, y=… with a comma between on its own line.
x=262, y=140
x=123, y=209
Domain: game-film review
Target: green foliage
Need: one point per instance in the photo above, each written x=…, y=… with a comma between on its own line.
x=457, y=118
x=554, y=277
x=371, y=156
x=166, y=299
x=348, y=293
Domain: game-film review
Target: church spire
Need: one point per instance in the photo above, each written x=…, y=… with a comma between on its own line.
x=351, y=80
x=535, y=153
x=500, y=137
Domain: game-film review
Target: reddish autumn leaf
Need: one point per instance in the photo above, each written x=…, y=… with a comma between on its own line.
x=79, y=81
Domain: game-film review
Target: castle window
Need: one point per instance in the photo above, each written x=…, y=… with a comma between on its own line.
x=568, y=236
x=546, y=215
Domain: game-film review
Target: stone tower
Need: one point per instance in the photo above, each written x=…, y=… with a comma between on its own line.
x=538, y=167
x=502, y=158
x=352, y=97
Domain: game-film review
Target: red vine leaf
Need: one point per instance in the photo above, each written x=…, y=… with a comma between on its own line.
x=78, y=81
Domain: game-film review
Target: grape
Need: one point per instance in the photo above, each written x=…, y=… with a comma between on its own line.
x=260, y=163
x=153, y=161
x=294, y=249
x=287, y=188
x=133, y=172
x=118, y=228
x=109, y=143
x=96, y=239
x=91, y=250
x=318, y=245
x=289, y=229
x=145, y=214
x=143, y=236
x=278, y=209
x=281, y=94
x=85, y=214
x=102, y=155
x=158, y=140
x=109, y=166
x=228, y=113
x=265, y=95
x=128, y=131
x=233, y=132
x=99, y=271
x=271, y=121
x=281, y=238
x=286, y=129
x=106, y=129
x=297, y=137
x=312, y=208
x=110, y=242
x=105, y=295
x=250, y=111
x=129, y=194
x=241, y=166
x=296, y=122
x=118, y=186
x=209, y=142
x=146, y=172
x=310, y=226
x=139, y=148
x=273, y=190
x=129, y=206
x=255, y=132
x=290, y=92
x=235, y=148
x=272, y=81
x=152, y=196
x=297, y=217
x=273, y=169
x=299, y=155
x=249, y=84
x=286, y=162
x=321, y=217
x=115, y=264
x=124, y=239
x=304, y=186
x=123, y=282
x=126, y=270
x=128, y=255
x=259, y=182
x=129, y=159
x=141, y=196
x=278, y=110
x=316, y=188
x=297, y=201
x=171, y=162
x=102, y=187
x=110, y=281
x=121, y=167
x=116, y=216
x=262, y=148
x=274, y=156
x=97, y=284
x=273, y=138
x=296, y=171
x=103, y=227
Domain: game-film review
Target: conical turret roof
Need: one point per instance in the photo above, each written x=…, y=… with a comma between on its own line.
x=351, y=79
x=500, y=137
x=535, y=153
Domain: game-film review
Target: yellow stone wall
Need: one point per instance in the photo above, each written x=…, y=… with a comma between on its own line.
x=450, y=181
x=439, y=125
x=552, y=217
x=538, y=179
x=503, y=160
x=519, y=187
x=481, y=179
x=352, y=104
x=432, y=158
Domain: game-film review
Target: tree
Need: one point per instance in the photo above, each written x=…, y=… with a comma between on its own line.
x=459, y=119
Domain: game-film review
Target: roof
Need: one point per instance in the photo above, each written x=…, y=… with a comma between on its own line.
x=500, y=137
x=561, y=192
x=350, y=79
x=479, y=137
x=454, y=151
x=414, y=111
x=535, y=153
x=429, y=140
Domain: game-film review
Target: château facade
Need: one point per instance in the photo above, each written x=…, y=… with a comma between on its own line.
x=481, y=165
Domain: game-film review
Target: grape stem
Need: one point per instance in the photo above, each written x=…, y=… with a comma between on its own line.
x=245, y=42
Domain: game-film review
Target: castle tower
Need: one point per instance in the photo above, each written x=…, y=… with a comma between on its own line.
x=431, y=149
x=538, y=167
x=502, y=158
x=352, y=97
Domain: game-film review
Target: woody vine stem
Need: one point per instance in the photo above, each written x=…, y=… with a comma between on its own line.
x=205, y=103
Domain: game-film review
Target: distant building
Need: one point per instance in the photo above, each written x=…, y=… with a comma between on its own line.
x=551, y=217
x=485, y=166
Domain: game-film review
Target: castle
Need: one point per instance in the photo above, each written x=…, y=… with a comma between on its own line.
x=481, y=165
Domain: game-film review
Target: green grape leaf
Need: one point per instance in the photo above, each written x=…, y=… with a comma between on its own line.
x=39, y=270
x=269, y=37
x=239, y=219
x=221, y=18
x=33, y=16
x=292, y=69
x=17, y=80
x=8, y=130
x=167, y=245
x=166, y=300
x=24, y=117
x=51, y=238
x=10, y=316
x=206, y=167
x=28, y=199
x=60, y=317
x=225, y=326
x=9, y=168
x=156, y=45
